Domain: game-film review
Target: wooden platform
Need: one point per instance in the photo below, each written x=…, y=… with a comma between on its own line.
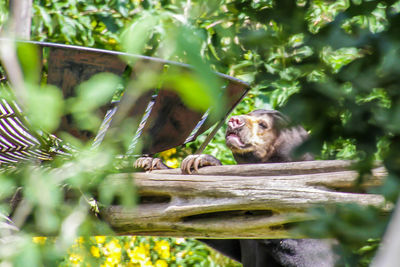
x=238, y=201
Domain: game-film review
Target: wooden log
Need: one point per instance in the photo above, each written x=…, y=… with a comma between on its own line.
x=241, y=201
x=286, y=168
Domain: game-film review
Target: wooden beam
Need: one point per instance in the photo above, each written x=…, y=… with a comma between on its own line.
x=286, y=168
x=240, y=201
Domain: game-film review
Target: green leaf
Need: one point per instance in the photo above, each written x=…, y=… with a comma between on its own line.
x=45, y=16
x=91, y=95
x=193, y=91
x=29, y=58
x=340, y=57
x=138, y=33
x=45, y=107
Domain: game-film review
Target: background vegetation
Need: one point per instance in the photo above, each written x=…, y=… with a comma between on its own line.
x=331, y=65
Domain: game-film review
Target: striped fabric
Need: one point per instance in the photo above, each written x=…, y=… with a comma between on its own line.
x=17, y=142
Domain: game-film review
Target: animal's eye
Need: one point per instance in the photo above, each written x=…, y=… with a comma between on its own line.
x=263, y=125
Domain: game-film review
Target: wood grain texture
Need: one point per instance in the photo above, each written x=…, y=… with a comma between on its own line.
x=238, y=201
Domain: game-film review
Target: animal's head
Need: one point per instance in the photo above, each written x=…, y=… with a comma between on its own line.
x=255, y=134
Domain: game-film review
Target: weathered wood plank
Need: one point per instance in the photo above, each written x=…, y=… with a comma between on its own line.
x=286, y=168
x=227, y=204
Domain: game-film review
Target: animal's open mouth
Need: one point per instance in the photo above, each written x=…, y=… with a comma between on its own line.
x=234, y=140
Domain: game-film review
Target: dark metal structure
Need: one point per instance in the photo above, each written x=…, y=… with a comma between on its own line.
x=166, y=121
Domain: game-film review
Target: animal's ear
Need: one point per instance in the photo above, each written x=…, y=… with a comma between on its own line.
x=280, y=121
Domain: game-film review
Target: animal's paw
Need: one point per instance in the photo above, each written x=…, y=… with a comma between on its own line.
x=196, y=161
x=149, y=164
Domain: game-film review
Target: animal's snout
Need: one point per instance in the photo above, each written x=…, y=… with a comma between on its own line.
x=235, y=122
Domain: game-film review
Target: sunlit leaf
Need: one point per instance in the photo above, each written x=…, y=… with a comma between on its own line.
x=31, y=62
x=339, y=58
x=45, y=107
x=134, y=38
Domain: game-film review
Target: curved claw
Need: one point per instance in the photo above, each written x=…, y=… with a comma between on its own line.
x=149, y=164
x=154, y=164
x=186, y=164
x=139, y=162
x=197, y=161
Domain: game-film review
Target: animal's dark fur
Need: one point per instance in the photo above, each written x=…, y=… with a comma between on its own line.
x=259, y=137
x=264, y=136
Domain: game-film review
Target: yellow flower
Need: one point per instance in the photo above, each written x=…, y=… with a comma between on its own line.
x=100, y=239
x=95, y=251
x=161, y=263
x=172, y=163
x=139, y=254
x=112, y=250
x=113, y=247
x=148, y=263
x=112, y=261
x=167, y=153
x=112, y=41
x=130, y=244
x=163, y=249
x=80, y=240
x=127, y=245
x=75, y=258
x=111, y=264
x=39, y=240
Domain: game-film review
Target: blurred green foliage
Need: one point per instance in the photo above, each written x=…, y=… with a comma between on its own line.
x=332, y=66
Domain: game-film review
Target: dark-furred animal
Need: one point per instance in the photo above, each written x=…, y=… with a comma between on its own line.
x=262, y=136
